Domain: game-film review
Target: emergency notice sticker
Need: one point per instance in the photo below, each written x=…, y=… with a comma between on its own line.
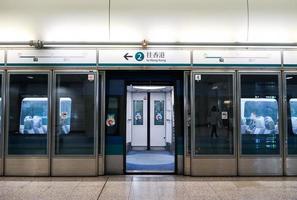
x=91, y=77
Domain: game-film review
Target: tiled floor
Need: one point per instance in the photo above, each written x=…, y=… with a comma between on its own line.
x=148, y=187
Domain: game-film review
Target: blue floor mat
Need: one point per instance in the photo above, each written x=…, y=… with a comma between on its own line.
x=136, y=167
x=150, y=161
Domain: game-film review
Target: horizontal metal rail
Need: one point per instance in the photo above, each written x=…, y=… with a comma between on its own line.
x=45, y=44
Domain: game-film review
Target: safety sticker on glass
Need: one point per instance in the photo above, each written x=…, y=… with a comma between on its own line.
x=91, y=77
x=198, y=77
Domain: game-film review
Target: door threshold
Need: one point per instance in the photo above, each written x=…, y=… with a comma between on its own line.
x=150, y=172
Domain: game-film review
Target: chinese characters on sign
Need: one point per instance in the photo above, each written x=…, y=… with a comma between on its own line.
x=145, y=57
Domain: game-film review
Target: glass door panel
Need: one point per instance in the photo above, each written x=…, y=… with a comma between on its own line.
x=214, y=127
x=28, y=114
x=75, y=107
x=259, y=114
x=291, y=84
x=290, y=122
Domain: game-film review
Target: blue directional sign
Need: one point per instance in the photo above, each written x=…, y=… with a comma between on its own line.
x=139, y=56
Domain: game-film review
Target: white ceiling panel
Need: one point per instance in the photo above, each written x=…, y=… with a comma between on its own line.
x=54, y=20
x=273, y=21
x=179, y=21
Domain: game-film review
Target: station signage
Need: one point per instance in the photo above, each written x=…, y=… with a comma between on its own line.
x=144, y=57
x=51, y=57
x=2, y=57
x=290, y=58
x=236, y=57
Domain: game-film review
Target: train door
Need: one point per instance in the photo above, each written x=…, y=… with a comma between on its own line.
x=164, y=107
x=158, y=119
x=138, y=119
x=213, y=124
x=149, y=129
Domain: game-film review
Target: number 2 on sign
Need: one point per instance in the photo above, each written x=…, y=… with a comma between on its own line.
x=139, y=56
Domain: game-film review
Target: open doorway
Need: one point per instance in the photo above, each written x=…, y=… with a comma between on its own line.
x=150, y=136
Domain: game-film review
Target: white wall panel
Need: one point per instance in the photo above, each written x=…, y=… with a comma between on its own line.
x=54, y=20
x=273, y=21
x=57, y=56
x=236, y=57
x=290, y=57
x=183, y=21
x=1, y=57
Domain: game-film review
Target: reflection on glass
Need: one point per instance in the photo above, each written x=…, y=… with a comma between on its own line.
x=74, y=114
x=292, y=113
x=259, y=125
x=214, y=114
x=28, y=114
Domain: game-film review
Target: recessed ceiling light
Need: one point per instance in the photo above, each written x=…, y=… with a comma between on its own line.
x=149, y=87
x=227, y=102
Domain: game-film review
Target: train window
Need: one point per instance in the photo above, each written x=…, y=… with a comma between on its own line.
x=33, y=119
x=214, y=114
x=291, y=81
x=258, y=116
x=28, y=114
x=259, y=125
x=75, y=110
